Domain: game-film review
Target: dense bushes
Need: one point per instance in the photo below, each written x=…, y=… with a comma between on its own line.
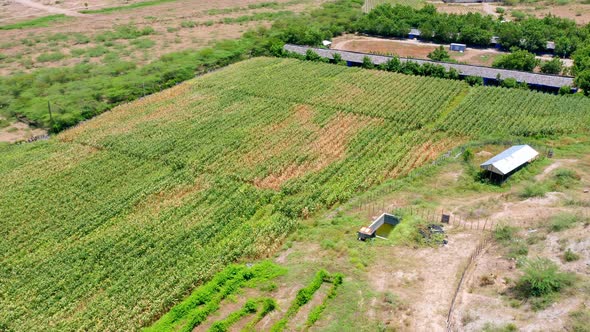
x=517, y=60
x=542, y=278
x=530, y=34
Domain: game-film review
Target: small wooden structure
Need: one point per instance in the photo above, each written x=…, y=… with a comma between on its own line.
x=370, y=231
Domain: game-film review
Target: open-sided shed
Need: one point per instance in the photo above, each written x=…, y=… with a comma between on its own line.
x=510, y=160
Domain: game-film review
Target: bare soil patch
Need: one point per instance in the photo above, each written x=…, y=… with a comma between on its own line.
x=19, y=131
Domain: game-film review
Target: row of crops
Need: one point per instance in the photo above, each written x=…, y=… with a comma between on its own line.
x=109, y=224
x=207, y=299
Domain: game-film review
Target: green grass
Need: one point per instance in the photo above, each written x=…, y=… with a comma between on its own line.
x=205, y=300
x=579, y=320
x=563, y=221
x=570, y=256
x=44, y=21
x=50, y=57
x=136, y=5
x=542, y=281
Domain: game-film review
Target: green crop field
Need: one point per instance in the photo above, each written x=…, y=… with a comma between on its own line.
x=109, y=224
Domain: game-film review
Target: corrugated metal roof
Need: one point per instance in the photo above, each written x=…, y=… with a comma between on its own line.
x=510, y=159
x=415, y=32
x=553, y=81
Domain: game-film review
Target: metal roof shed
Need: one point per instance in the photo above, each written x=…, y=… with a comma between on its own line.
x=510, y=159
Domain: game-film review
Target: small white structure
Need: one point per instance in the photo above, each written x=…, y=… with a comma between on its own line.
x=458, y=47
x=326, y=43
x=414, y=34
x=510, y=159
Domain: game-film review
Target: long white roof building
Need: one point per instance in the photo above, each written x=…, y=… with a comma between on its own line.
x=510, y=159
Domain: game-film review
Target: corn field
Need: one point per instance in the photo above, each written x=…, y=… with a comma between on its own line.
x=107, y=225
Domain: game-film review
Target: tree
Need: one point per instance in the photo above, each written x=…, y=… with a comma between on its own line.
x=517, y=60
x=337, y=59
x=582, y=81
x=581, y=59
x=312, y=56
x=439, y=54
x=510, y=34
x=565, y=90
x=474, y=80
x=393, y=65
x=553, y=66
x=367, y=63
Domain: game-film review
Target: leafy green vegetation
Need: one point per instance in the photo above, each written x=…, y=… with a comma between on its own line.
x=36, y=22
x=50, y=57
x=579, y=320
x=489, y=327
x=215, y=170
x=541, y=281
x=316, y=312
x=304, y=295
x=515, y=245
x=563, y=221
x=250, y=307
x=205, y=300
x=570, y=256
x=439, y=54
x=517, y=60
x=533, y=190
x=564, y=178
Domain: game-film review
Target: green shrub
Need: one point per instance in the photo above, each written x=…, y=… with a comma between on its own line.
x=188, y=24
x=565, y=178
x=533, y=190
x=505, y=233
x=563, y=221
x=500, y=10
x=570, y=256
x=579, y=321
x=542, y=278
x=50, y=57
x=489, y=327
x=143, y=43
x=517, y=249
x=81, y=39
x=97, y=51
x=518, y=15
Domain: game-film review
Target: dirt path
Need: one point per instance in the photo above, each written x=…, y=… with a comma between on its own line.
x=489, y=9
x=49, y=9
x=558, y=163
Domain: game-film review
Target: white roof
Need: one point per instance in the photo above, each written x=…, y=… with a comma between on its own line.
x=326, y=42
x=510, y=159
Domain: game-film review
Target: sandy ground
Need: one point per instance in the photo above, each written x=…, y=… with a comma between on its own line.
x=19, y=131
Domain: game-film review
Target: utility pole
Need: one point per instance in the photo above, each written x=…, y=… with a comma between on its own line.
x=50, y=114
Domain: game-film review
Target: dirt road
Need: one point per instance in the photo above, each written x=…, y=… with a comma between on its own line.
x=49, y=9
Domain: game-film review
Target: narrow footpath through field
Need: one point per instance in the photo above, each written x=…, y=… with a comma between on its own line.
x=49, y=9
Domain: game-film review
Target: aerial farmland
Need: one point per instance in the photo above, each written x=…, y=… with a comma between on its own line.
x=223, y=182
